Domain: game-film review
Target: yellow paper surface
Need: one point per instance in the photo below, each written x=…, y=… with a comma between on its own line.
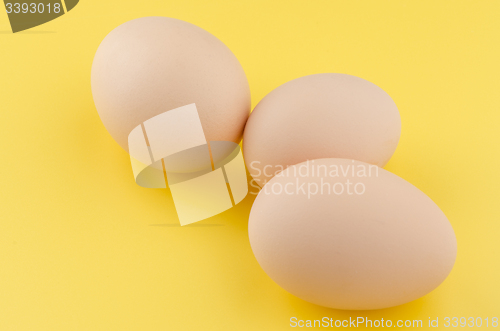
x=83, y=247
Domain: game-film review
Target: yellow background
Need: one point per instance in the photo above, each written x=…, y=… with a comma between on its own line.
x=82, y=247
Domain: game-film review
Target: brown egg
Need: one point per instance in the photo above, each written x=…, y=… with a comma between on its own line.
x=320, y=116
x=154, y=64
x=348, y=235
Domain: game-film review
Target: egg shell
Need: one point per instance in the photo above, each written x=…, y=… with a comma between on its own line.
x=150, y=65
x=320, y=116
x=385, y=247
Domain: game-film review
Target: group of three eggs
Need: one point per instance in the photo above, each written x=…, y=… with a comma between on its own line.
x=329, y=225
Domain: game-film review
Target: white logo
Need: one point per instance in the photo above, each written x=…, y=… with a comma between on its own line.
x=205, y=178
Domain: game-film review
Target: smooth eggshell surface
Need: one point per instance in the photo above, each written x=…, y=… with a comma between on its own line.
x=154, y=64
x=320, y=116
x=377, y=247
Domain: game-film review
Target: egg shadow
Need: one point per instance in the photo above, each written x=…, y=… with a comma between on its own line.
x=193, y=225
x=408, y=311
